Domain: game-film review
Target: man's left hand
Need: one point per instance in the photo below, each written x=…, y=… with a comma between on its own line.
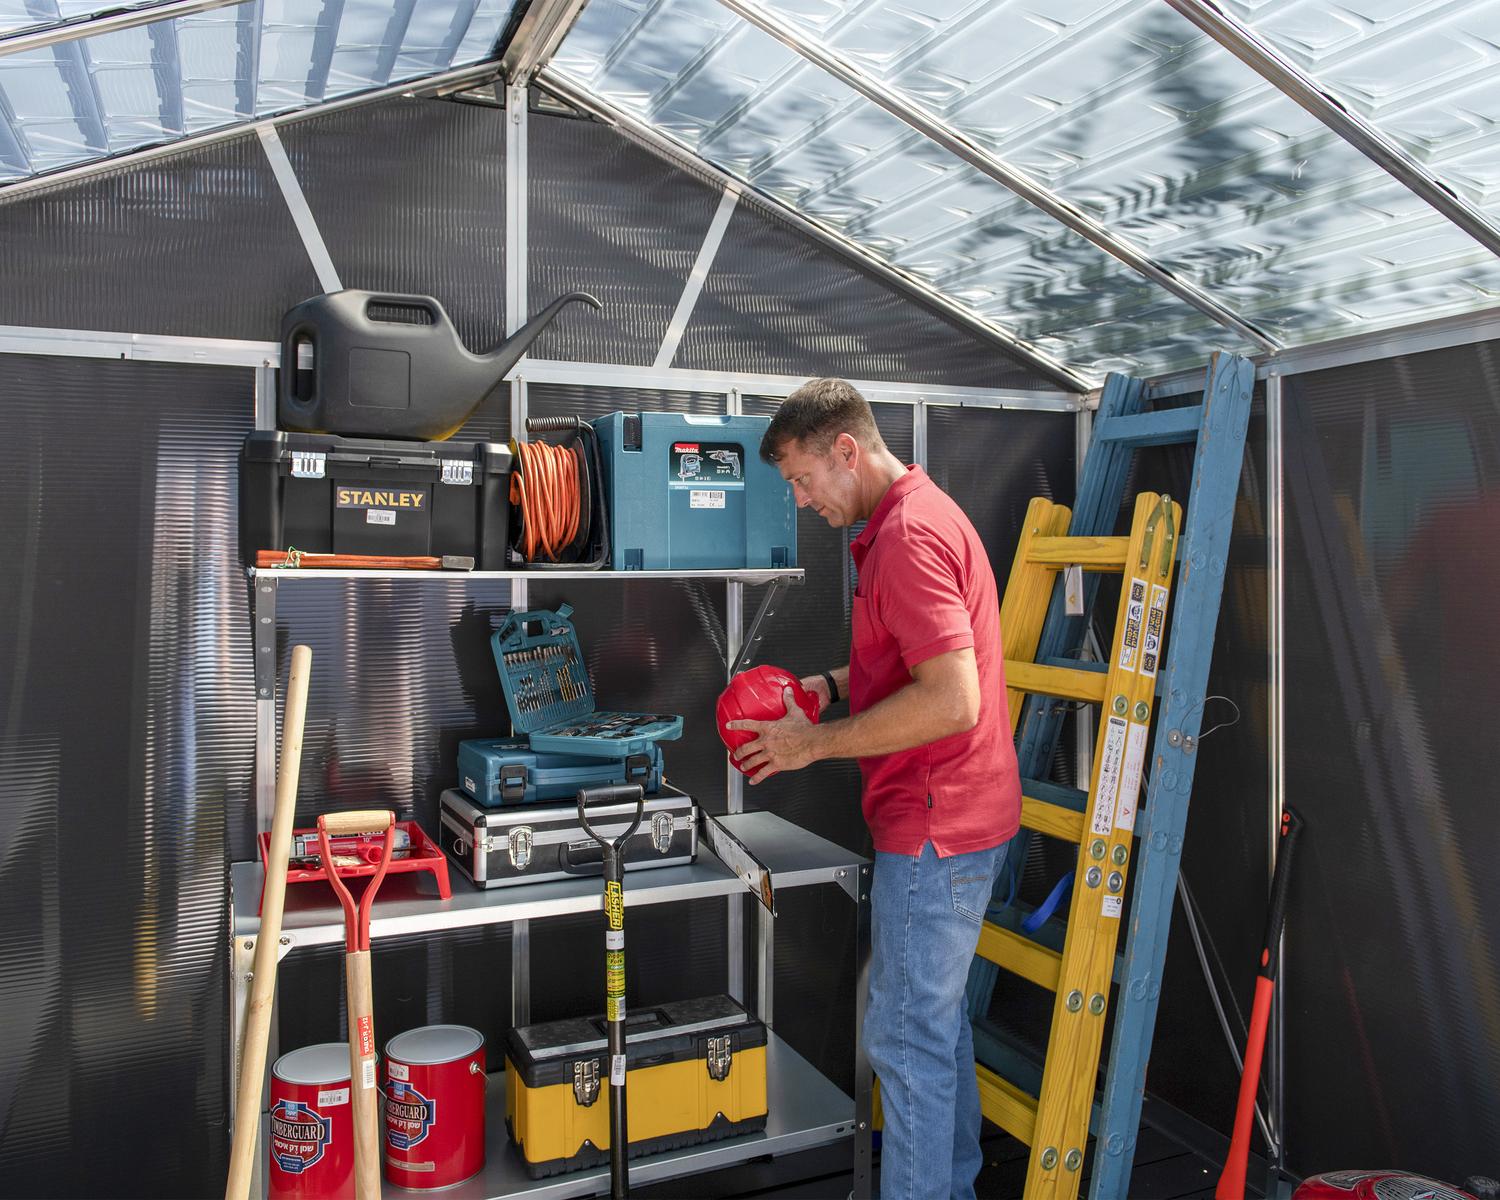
x=787, y=744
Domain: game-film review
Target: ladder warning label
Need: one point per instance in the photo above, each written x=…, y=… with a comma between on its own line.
x=1135, y=609
x=1156, y=618
x=1130, y=777
x=1110, y=762
x=1112, y=906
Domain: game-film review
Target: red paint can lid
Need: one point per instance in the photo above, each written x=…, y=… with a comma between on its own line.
x=433, y=1044
x=313, y=1066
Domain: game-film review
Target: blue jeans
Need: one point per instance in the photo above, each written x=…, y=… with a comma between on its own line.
x=925, y=914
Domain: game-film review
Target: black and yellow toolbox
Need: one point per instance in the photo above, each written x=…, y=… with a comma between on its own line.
x=697, y=1073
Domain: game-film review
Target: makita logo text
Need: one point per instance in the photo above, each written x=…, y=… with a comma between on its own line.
x=369, y=498
x=297, y=1131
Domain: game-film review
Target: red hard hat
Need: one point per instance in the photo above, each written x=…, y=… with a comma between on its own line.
x=1375, y=1185
x=756, y=695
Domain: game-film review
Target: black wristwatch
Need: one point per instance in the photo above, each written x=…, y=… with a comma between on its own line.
x=833, y=688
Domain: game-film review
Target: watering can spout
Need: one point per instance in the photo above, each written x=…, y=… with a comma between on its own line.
x=509, y=352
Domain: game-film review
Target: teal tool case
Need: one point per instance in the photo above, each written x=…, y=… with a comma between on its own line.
x=499, y=772
x=551, y=702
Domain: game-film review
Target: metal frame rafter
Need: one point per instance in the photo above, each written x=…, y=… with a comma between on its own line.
x=41, y=36
x=957, y=143
x=1294, y=83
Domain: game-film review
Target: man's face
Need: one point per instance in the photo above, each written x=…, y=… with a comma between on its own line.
x=825, y=483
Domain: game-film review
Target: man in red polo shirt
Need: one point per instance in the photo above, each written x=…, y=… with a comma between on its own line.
x=942, y=795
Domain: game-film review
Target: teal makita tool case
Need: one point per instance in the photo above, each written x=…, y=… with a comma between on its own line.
x=551, y=702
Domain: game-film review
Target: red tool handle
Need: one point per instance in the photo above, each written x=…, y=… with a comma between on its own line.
x=356, y=920
x=1232, y=1179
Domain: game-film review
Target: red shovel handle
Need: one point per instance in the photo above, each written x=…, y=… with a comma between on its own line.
x=382, y=821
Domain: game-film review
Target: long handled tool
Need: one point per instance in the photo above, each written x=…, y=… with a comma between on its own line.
x=358, y=995
x=1232, y=1180
x=263, y=980
x=614, y=965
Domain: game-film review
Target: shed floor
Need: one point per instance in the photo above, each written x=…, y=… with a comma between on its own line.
x=1164, y=1170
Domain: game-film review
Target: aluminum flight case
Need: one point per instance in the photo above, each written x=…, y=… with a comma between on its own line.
x=503, y=847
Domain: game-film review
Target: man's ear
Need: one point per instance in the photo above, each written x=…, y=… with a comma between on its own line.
x=846, y=447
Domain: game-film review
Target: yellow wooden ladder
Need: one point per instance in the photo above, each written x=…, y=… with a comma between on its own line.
x=1056, y=1124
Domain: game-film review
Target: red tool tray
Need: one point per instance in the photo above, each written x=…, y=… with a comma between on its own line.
x=420, y=854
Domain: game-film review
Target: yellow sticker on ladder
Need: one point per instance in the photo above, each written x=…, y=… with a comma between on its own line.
x=1156, y=619
x=1110, y=762
x=1130, y=777
x=1135, y=611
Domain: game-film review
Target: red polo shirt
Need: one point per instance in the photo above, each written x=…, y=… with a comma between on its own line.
x=925, y=588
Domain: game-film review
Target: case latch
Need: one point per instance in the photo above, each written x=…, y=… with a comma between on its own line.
x=586, y=1081
x=520, y=847
x=720, y=1056
x=638, y=768
x=308, y=464
x=458, y=471
x=662, y=825
x=513, y=782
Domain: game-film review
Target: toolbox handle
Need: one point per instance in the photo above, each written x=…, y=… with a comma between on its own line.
x=620, y=793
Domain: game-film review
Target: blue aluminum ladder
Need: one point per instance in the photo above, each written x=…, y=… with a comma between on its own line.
x=1217, y=427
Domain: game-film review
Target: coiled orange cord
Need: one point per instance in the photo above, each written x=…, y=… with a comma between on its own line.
x=547, y=492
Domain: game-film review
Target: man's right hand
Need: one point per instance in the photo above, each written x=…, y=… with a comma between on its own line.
x=818, y=686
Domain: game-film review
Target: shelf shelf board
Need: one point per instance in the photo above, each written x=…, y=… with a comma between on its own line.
x=752, y=575
x=804, y=1110
x=409, y=904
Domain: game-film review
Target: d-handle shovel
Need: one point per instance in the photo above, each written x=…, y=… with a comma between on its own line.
x=614, y=961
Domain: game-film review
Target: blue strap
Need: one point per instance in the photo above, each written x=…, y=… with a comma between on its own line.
x=1048, y=906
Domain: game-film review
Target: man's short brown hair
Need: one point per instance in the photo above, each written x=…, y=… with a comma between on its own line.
x=815, y=414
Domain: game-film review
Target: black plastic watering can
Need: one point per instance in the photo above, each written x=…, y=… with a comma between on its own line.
x=390, y=366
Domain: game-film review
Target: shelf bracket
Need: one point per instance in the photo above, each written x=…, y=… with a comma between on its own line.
x=265, y=635
x=757, y=631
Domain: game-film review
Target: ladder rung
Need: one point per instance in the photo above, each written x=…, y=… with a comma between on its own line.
x=1069, y=683
x=1019, y=955
x=1097, y=553
x=1152, y=428
x=1076, y=664
x=1059, y=794
x=1054, y=821
x=1006, y=1105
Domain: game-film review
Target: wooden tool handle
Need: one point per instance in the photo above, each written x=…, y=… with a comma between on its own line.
x=263, y=983
x=364, y=820
x=362, y=1088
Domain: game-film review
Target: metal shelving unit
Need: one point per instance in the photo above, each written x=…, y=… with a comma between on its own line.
x=806, y=1109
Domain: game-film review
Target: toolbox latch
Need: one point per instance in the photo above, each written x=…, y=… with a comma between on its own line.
x=458, y=471
x=513, y=782
x=720, y=1056
x=309, y=464
x=637, y=766
x=631, y=439
x=586, y=1081
x=520, y=847
x=662, y=825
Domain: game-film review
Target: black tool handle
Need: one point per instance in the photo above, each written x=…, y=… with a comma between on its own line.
x=1291, y=826
x=618, y=793
x=614, y=968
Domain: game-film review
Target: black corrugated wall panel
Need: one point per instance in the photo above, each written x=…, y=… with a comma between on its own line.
x=607, y=217
x=127, y=739
x=1392, y=976
x=199, y=244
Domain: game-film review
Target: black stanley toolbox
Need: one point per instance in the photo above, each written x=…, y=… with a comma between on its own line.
x=323, y=494
x=529, y=844
x=697, y=1073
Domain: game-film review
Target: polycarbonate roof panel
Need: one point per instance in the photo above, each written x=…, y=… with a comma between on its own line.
x=1121, y=108
x=109, y=93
